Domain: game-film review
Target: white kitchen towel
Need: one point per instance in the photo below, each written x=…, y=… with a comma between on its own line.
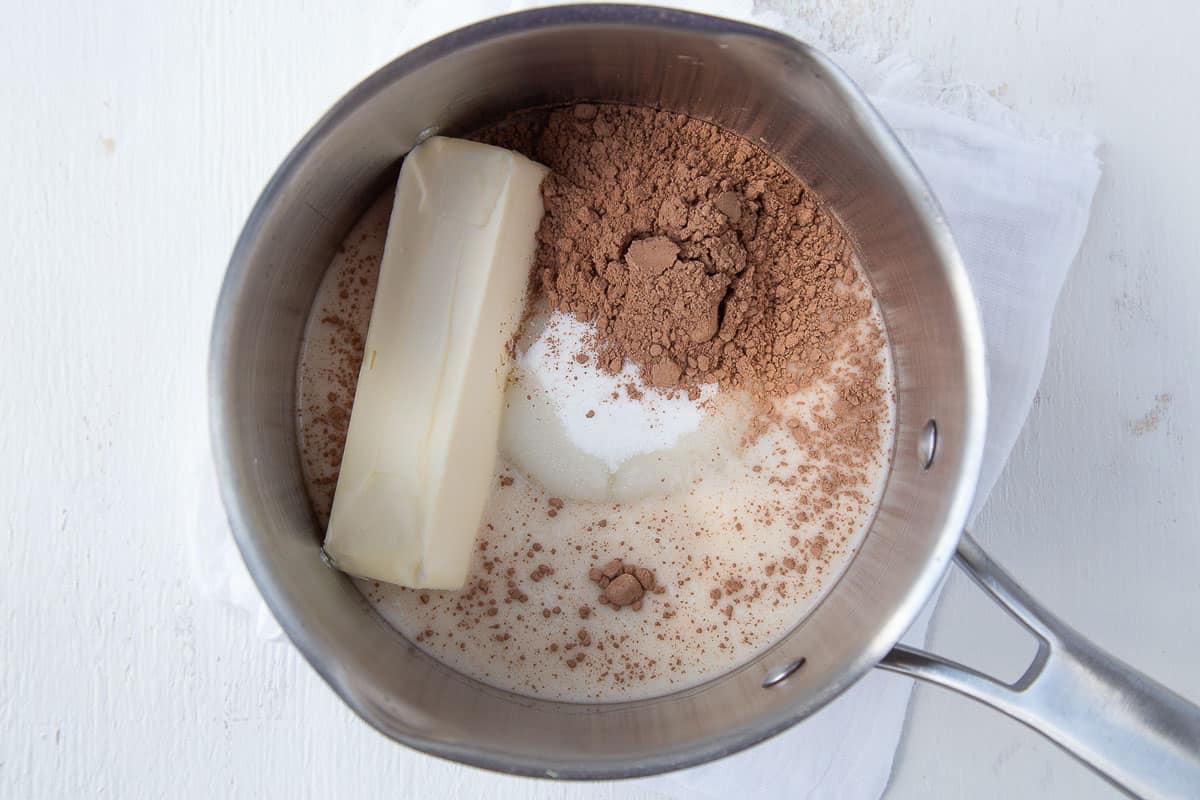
x=1018, y=200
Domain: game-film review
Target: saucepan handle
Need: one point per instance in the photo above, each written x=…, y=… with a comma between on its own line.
x=1135, y=732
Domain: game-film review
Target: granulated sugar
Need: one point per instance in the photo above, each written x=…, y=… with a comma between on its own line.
x=612, y=416
x=586, y=434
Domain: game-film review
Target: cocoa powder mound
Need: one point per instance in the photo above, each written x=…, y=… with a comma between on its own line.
x=696, y=256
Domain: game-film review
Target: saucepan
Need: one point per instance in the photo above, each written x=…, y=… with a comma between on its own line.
x=791, y=100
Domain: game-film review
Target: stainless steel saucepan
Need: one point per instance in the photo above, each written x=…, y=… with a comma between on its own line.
x=790, y=99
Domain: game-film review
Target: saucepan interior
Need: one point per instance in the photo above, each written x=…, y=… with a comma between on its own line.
x=770, y=89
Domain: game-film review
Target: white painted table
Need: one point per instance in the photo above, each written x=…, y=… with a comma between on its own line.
x=135, y=140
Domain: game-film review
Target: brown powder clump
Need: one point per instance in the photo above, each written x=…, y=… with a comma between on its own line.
x=697, y=256
x=624, y=584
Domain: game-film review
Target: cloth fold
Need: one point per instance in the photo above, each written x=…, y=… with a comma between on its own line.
x=1018, y=201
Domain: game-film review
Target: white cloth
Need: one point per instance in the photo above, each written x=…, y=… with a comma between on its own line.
x=1018, y=202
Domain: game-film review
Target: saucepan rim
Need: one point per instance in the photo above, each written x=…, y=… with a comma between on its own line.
x=913, y=183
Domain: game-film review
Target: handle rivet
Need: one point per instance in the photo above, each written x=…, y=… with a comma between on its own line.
x=780, y=675
x=927, y=445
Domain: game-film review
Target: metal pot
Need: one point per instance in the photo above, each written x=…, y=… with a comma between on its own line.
x=790, y=99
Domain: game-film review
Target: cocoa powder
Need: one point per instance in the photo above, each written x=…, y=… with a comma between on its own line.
x=697, y=257
x=624, y=584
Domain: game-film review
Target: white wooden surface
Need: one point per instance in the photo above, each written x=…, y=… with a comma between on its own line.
x=135, y=139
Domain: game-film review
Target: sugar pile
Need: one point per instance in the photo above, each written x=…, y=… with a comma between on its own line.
x=610, y=416
x=589, y=434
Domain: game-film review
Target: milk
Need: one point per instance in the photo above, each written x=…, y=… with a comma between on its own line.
x=727, y=522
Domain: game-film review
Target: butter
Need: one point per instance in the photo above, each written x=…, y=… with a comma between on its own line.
x=419, y=463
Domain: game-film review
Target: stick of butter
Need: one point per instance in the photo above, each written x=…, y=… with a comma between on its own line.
x=420, y=454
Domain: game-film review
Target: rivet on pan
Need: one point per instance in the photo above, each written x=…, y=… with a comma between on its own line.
x=783, y=673
x=427, y=133
x=927, y=445
x=328, y=559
